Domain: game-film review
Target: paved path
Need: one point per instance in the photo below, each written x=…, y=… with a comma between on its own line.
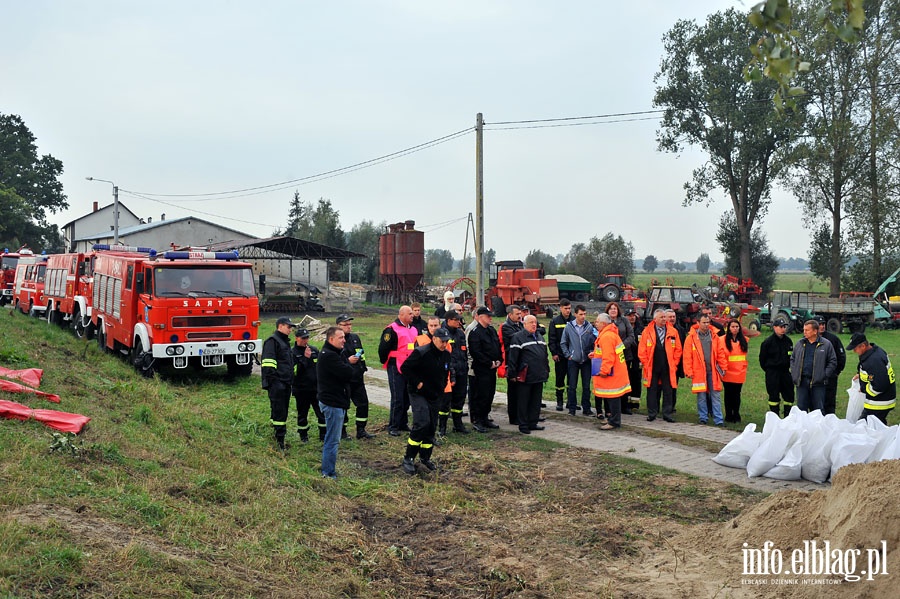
x=635, y=439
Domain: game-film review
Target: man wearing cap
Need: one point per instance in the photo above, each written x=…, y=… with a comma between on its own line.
x=775, y=360
x=427, y=372
x=484, y=347
x=876, y=377
x=334, y=372
x=527, y=360
x=277, y=376
x=560, y=364
x=831, y=385
x=305, y=384
x=453, y=401
x=357, y=386
x=813, y=362
x=398, y=340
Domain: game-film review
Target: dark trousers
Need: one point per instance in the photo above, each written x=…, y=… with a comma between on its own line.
x=779, y=386
x=486, y=386
x=810, y=398
x=830, y=404
x=584, y=371
x=399, y=420
x=456, y=399
x=424, y=424
x=512, y=401
x=880, y=414
x=634, y=377
x=473, y=396
x=731, y=397
x=306, y=399
x=660, y=386
x=279, y=400
x=611, y=406
x=360, y=398
x=561, y=369
x=529, y=404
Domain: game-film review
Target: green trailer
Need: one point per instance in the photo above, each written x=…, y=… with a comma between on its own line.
x=573, y=287
x=796, y=307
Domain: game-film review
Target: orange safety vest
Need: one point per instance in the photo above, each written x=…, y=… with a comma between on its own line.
x=609, y=348
x=737, y=363
x=406, y=343
x=694, y=361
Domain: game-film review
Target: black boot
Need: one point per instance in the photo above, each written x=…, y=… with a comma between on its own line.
x=344, y=434
x=442, y=425
x=362, y=433
x=304, y=435
x=458, y=426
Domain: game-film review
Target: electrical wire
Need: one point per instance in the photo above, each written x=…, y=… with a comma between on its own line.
x=317, y=177
x=549, y=125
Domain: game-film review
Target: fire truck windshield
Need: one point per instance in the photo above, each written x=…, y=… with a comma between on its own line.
x=203, y=281
x=9, y=262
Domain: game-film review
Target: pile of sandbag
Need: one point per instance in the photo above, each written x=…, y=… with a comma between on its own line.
x=809, y=445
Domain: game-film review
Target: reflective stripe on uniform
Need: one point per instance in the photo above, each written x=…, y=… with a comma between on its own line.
x=698, y=387
x=415, y=443
x=275, y=423
x=741, y=358
x=613, y=392
x=358, y=419
x=269, y=363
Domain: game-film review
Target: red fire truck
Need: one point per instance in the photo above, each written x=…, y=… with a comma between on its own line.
x=69, y=291
x=8, y=262
x=181, y=308
x=28, y=292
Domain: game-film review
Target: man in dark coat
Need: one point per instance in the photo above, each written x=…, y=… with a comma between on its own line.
x=277, y=375
x=831, y=385
x=484, y=348
x=527, y=361
x=427, y=372
x=357, y=387
x=775, y=360
x=305, y=384
x=334, y=372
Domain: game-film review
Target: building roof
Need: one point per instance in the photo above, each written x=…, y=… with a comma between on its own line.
x=123, y=231
x=100, y=209
x=284, y=247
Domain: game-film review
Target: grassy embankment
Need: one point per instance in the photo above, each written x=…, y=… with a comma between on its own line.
x=175, y=490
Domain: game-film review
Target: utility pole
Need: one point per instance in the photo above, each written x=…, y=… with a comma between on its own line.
x=479, y=209
x=115, y=207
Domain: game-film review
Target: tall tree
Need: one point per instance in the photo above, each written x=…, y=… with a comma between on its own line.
x=703, y=263
x=536, y=258
x=830, y=157
x=669, y=264
x=443, y=259
x=29, y=188
x=708, y=104
x=650, y=263
x=600, y=256
x=765, y=264
x=821, y=255
x=363, y=238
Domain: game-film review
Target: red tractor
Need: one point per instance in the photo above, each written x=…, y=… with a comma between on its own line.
x=614, y=288
x=732, y=289
x=512, y=283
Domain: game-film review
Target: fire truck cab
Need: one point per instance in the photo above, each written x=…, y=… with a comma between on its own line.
x=8, y=262
x=69, y=291
x=28, y=293
x=180, y=308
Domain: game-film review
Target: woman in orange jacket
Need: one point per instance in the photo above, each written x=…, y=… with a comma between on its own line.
x=736, y=373
x=610, y=375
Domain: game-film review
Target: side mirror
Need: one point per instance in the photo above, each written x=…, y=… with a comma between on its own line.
x=262, y=284
x=139, y=282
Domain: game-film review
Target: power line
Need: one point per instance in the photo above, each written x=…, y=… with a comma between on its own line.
x=549, y=125
x=576, y=118
x=317, y=177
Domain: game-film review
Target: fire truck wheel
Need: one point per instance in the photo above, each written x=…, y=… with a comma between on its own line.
x=238, y=370
x=143, y=361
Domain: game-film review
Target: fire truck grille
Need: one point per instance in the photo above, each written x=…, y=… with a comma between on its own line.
x=212, y=321
x=205, y=335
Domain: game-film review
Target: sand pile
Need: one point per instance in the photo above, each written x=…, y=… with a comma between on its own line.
x=857, y=516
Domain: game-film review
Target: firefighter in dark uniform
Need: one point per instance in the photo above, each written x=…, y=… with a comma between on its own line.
x=775, y=360
x=508, y=330
x=831, y=384
x=453, y=401
x=357, y=387
x=427, y=372
x=484, y=347
x=554, y=334
x=277, y=376
x=305, y=357
x=876, y=377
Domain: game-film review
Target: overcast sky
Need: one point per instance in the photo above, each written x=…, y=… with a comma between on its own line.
x=206, y=97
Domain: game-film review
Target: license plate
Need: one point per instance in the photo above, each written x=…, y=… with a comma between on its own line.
x=212, y=351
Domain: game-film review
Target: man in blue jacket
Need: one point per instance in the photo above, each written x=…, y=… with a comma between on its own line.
x=576, y=344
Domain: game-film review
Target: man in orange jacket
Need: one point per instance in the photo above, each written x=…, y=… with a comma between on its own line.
x=611, y=379
x=660, y=354
x=705, y=360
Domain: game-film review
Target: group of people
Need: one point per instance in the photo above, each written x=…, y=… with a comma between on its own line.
x=328, y=381
x=435, y=364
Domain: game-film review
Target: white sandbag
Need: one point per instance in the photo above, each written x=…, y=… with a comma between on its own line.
x=850, y=449
x=790, y=465
x=738, y=451
x=816, y=464
x=892, y=452
x=773, y=448
x=855, y=401
x=773, y=423
x=886, y=437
